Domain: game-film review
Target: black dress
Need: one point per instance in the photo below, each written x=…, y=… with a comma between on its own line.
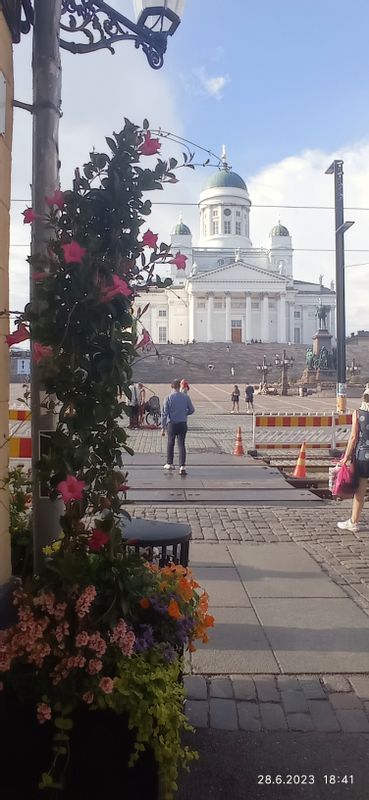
x=362, y=447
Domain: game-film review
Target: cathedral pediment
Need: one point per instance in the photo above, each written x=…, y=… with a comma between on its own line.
x=238, y=273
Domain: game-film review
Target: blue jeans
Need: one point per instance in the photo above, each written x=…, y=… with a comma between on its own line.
x=177, y=430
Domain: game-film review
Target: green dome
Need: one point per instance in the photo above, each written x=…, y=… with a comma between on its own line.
x=225, y=178
x=279, y=230
x=181, y=230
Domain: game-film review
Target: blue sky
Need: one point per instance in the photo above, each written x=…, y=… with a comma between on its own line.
x=298, y=75
x=283, y=83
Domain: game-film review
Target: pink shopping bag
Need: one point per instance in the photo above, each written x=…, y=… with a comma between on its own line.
x=344, y=482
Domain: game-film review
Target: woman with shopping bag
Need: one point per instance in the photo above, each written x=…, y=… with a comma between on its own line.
x=357, y=452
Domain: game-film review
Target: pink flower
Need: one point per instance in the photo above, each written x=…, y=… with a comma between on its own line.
x=43, y=712
x=106, y=685
x=150, y=146
x=97, y=643
x=56, y=199
x=123, y=637
x=94, y=666
x=150, y=239
x=85, y=601
x=82, y=639
x=88, y=697
x=29, y=216
x=98, y=540
x=123, y=487
x=73, y=253
x=109, y=291
x=179, y=261
x=146, y=339
x=20, y=335
x=38, y=276
x=41, y=351
x=71, y=489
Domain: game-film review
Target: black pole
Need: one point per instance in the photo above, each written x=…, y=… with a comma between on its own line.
x=340, y=287
x=46, y=68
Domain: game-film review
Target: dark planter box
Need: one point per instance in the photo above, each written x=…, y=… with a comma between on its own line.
x=98, y=769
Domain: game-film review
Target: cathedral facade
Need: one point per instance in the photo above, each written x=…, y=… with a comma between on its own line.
x=226, y=290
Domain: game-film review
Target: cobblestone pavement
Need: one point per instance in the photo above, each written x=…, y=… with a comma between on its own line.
x=343, y=555
x=329, y=704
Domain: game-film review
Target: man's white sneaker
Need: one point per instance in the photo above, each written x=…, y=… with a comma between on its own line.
x=182, y=471
x=348, y=526
x=169, y=466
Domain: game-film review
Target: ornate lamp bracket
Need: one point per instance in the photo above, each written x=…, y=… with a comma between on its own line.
x=102, y=26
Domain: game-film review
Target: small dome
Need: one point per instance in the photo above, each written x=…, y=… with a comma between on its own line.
x=225, y=178
x=181, y=230
x=279, y=230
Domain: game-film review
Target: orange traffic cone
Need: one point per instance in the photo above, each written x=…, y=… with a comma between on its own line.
x=300, y=468
x=238, y=449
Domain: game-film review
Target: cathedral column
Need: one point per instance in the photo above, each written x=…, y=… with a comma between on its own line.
x=265, y=318
x=292, y=323
x=228, y=332
x=210, y=317
x=248, y=328
x=282, y=318
x=191, y=318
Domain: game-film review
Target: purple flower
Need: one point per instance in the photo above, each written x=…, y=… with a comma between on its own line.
x=144, y=638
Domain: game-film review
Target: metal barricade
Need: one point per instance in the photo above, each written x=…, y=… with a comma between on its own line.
x=289, y=431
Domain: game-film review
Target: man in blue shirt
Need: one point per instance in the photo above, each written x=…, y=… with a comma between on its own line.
x=176, y=408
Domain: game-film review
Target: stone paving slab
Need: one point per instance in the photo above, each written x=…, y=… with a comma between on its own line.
x=308, y=634
x=283, y=571
x=223, y=586
x=237, y=645
x=216, y=700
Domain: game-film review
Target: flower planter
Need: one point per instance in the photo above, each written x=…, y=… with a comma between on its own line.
x=101, y=745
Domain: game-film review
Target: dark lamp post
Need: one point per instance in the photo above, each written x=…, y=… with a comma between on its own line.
x=336, y=169
x=90, y=25
x=285, y=362
x=264, y=369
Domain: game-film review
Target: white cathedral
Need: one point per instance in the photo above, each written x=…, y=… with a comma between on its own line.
x=229, y=290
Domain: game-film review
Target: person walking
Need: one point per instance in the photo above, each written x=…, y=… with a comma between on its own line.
x=235, y=397
x=357, y=451
x=133, y=403
x=249, y=398
x=177, y=407
x=185, y=386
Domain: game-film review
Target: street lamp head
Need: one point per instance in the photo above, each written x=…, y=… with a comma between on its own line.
x=159, y=17
x=330, y=169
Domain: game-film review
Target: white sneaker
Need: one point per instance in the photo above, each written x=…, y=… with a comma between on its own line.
x=169, y=466
x=182, y=471
x=348, y=526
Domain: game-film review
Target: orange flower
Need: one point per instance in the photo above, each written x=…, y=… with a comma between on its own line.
x=209, y=621
x=191, y=647
x=185, y=590
x=173, y=609
x=145, y=602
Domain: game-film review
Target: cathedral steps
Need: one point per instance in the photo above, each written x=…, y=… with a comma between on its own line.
x=191, y=361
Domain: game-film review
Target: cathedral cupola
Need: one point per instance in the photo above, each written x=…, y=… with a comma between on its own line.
x=181, y=242
x=224, y=209
x=280, y=253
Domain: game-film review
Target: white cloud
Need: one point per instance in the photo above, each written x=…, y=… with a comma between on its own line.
x=300, y=180
x=212, y=85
